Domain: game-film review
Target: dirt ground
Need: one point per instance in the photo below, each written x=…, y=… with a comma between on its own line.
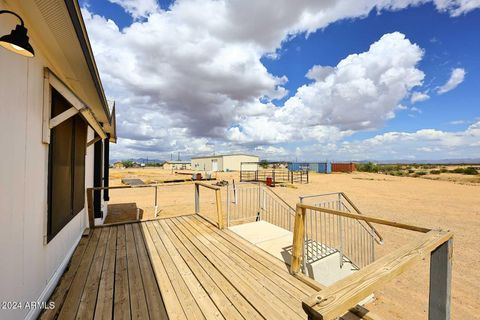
x=418, y=201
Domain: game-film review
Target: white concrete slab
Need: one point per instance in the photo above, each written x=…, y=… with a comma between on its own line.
x=278, y=242
x=259, y=231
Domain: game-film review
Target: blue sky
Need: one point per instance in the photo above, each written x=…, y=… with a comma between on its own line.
x=232, y=86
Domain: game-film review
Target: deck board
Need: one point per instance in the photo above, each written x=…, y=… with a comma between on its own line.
x=175, y=268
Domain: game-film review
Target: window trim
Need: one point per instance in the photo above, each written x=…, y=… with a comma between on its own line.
x=50, y=82
x=50, y=235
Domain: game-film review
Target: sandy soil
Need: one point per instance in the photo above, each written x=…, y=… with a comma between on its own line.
x=423, y=202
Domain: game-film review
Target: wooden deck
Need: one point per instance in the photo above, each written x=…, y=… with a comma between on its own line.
x=176, y=268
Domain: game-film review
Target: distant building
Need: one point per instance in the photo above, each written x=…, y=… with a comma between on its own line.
x=177, y=165
x=226, y=162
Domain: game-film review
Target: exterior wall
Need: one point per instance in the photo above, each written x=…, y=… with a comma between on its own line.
x=343, y=167
x=232, y=163
x=205, y=164
x=176, y=166
x=29, y=267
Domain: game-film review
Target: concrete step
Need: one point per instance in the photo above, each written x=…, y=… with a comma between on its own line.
x=278, y=242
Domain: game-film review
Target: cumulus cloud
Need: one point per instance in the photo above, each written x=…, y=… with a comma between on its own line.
x=138, y=8
x=421, y=144
x=361, y=92
x=418, y=97
x=193, y=76
x=456, y=77
x=457, y=7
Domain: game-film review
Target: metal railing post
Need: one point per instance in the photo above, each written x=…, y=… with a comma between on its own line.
x=340, y=240
x=228, y=206
x=197, y=198
x=156, y=202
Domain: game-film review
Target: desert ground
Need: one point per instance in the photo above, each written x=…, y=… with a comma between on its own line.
x=446, y=204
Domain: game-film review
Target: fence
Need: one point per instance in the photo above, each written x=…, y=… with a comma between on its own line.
x=334, y=301
x=277, y=176
x=249, y=203
x=325, y=234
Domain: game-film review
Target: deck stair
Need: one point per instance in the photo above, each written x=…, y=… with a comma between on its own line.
x=331, y=250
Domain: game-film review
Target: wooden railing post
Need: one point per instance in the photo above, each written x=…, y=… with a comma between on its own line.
x=440, y=282
x=197, y=198
x=298, y=239
x=218, y=198
x=91, y=219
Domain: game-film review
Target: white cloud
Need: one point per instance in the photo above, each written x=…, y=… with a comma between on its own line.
x=457, y=7
x=457, y=122
x=193, y=75
x=456, y=77
x=138, y=8
x=360, y=93
x=397, y=145
x=418, y=97
x=415, y=109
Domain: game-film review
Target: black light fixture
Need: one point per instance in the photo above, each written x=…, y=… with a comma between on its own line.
x=17, y=40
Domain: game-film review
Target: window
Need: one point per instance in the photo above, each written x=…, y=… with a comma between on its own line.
x=66, y=171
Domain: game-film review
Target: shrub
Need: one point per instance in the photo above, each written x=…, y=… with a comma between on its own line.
x=411, y=171
x=263, y=164
x=367, y=167
x=421, y=173
x=457, y=170
x=470, y=171
x=435, y=172
x=127, y=163
x=443, y=170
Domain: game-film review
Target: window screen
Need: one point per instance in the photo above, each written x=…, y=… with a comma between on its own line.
x=66, y=184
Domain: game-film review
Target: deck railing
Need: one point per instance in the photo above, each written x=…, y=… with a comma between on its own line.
x=353, y=240
x=218, y=202
x=257, y=202
x=345, y=294
x=91, y=191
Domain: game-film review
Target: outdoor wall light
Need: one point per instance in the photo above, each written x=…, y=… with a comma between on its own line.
x=17, y=40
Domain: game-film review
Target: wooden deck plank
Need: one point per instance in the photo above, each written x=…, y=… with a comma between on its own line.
x=280, y=278
x=254, y=293
x=138, y=301
x=121, y=304
x=263, y=257
x=216, y=293
x=60, y=293
x=156, y=306
x=104, y=307
x=70, y=306
x=86, y=309
x=278, y=289
x=172, y=304
x=175, y=268
x=240, y=303
x=203, y=300
x=189, y=305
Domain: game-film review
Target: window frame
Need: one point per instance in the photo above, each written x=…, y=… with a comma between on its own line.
x=78, y=147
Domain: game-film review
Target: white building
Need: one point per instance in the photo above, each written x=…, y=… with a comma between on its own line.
x=176, y=165
x=226, y=162
x=55, y=129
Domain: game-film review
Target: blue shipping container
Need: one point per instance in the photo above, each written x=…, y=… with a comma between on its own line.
x=297, y=166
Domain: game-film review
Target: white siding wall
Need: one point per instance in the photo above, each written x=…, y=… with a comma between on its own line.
x=232, y=163
x=28, y=267
x=205, y=164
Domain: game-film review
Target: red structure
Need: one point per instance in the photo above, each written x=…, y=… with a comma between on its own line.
x=343, y=167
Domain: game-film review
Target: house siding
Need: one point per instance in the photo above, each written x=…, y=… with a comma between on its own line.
x=29, y=267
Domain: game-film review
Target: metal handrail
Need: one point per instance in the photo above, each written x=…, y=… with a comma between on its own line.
x=378, y=239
